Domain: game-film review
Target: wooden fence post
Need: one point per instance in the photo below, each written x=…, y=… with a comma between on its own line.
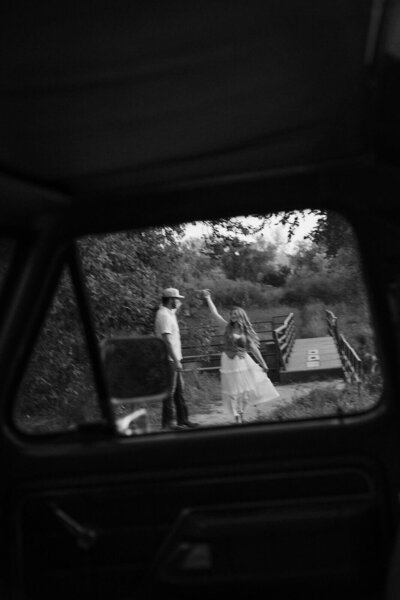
x=351, y=362
x=284, y=339
x=281, y=362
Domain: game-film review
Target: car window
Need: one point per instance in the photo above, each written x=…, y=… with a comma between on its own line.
x=273, y=323
x=57, y=392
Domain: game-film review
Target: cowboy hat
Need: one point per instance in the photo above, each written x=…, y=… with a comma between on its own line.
x=171, y=293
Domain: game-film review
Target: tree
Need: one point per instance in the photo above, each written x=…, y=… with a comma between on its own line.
x=330, y=233
x=249, y=260
x=276, y=276
x=194, y=262
x=126, y=273
x=230, y=233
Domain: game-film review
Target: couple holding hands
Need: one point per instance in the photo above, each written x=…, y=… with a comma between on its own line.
x=243, y=380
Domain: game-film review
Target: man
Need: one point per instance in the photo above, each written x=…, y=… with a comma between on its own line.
x=166, y=328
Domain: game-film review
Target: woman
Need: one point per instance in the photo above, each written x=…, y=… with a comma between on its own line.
x=243, y=381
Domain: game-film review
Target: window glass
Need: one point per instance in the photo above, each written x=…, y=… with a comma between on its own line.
x=274, y=325
x=299, y=280
x=57, y=393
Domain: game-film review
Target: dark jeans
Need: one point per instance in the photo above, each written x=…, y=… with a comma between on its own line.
x=177, y=398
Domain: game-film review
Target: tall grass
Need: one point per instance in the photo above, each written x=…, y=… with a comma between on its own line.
x=329, y=400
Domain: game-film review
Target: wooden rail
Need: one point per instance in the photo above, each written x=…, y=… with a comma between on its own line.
x=332, y=326
x=194, y=361
x=264, y=330
x=351, y=362
x=284, y=337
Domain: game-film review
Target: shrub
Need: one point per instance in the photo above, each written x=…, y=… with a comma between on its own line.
x=316, y=285
x=311, y=320
x=228, y=292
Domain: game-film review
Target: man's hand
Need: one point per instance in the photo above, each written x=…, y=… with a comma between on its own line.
x=178, y=365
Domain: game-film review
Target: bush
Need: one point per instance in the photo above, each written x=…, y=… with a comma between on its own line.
x=354, y=322
x=311, y=320
x=228, y=292
x=316, y=285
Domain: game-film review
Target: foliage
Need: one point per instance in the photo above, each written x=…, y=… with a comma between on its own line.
x=230, y=234
x=247, y=261
x=243, y=257
x=227, y=293
x=311, y=321
x=194, y=262
x=330, y=279
x=329, y=401
x=330, y=233
x=58, y=388
x=291, y=219
x=126, y=273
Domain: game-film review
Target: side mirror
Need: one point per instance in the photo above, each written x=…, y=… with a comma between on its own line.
x=137, y=371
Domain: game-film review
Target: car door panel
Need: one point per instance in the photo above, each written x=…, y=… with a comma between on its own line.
x=274, y=508
x=303, y=522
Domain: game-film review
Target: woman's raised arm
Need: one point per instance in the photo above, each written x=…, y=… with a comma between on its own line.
x=220, y=320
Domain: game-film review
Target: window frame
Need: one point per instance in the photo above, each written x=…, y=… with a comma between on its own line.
x=65, y=253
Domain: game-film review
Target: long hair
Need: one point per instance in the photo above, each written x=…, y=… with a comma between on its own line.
x=245, y=325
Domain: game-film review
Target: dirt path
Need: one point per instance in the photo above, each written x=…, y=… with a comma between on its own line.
x=287, y=393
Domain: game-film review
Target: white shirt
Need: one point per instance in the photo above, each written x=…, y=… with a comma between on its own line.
x=166, y=322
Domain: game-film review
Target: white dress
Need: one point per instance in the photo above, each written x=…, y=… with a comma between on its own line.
x=243, y=381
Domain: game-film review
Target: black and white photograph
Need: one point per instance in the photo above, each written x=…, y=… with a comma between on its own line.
x=200, y=300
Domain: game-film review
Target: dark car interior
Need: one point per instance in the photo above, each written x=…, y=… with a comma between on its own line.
x=120, y=116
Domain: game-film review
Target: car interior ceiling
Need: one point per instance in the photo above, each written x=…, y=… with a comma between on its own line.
x=56, y=93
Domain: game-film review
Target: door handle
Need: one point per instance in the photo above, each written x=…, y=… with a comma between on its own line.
x=85, y=537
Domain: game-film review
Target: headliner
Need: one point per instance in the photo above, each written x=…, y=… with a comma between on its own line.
x=103, y=101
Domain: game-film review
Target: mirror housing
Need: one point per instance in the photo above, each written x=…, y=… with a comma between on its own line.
x=137, y=371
